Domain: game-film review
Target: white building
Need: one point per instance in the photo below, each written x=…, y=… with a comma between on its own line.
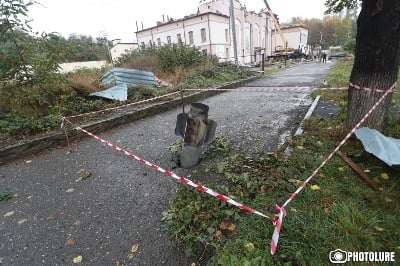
x=296, y=37
x=210, y=30
x=120, y=49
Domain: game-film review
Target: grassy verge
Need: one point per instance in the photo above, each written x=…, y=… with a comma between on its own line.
x=36, y=109
x=337, y=211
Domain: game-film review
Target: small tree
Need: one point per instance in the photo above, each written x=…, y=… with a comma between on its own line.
x=29, y=62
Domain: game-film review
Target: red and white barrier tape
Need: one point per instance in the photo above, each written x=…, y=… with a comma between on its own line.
x=362, y=88
x=278, y=221
x=123, y=106
x=181, y=179
x=242, y=89
x=267, y=89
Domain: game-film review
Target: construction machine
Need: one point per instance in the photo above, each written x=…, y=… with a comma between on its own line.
x=280, y=51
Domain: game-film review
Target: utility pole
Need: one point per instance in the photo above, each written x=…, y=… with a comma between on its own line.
x=233, y=22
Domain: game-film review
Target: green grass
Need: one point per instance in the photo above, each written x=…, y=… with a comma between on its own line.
x=344, y=213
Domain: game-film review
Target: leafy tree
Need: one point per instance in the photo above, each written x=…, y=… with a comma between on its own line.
x=377, y=57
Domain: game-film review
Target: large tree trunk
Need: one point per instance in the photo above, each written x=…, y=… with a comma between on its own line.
x=377, y=59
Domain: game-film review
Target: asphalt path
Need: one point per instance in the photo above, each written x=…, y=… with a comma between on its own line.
x=113, y=217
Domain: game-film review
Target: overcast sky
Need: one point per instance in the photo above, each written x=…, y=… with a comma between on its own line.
x=117, y=18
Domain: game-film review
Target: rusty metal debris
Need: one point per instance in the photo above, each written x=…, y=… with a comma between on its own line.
x=197, y=131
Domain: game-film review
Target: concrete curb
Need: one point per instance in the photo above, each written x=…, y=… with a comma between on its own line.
x=57, y=139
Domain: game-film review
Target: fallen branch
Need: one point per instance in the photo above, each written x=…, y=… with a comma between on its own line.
x=359, y=171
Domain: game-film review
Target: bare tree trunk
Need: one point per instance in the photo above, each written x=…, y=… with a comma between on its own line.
x=377, y=59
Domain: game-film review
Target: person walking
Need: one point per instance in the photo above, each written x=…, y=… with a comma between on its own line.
x=324, y=57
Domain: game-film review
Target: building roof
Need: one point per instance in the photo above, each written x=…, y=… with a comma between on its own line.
x=294, y=26
x=183, y=19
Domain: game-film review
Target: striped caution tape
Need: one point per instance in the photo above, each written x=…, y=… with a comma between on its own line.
x=362, y=88
x=268, y=89
x=242, y=89
x=181, y=179
x=279, y=220
x=124, y=106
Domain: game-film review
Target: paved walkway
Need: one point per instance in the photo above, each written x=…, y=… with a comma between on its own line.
x=55, y=217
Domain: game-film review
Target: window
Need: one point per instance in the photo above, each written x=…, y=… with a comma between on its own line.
x=204, y=51
x=179, y=38
x=203, y=35
x=226, y=35
x=158, y=42
x=142, y=45
x=150, y=44
x=191, y=39
x=169, y=39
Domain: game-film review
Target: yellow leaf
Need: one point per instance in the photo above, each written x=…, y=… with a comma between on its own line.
x=130, y=256
x=134, y=248
x=341, y=169
x=218, y=233
x=70, y=190
x=8, y=214
x=367, y=171
x=379, y=229
x=388, y=200
x=293, y=209
x=319, y=143
x=315, y=187
x=77, y=260
x=380, y=188
x=231, y=227
x=326, y=210
x=249, y=246
x=77, y=222
x=385, y=176
x=300, y=147
x=28, y=161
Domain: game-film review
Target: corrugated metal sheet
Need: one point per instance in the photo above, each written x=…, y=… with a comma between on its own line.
x=122, y=78
x=130, y=77
x=118, y=92
x=385, y=148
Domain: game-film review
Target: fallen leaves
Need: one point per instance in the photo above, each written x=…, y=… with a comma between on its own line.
x=134, y=249
x=384, y=176
x=77, y=260
x=249, y=246
x=70, y=190
x=379, y=229
x=226, y=225
x=83, y=174
x=77, y=222
x=70, y=242
x=9, y=214
x=22, y=221
x=315, y=187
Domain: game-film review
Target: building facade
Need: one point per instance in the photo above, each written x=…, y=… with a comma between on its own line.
x=210, y=30
x=120, y=49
